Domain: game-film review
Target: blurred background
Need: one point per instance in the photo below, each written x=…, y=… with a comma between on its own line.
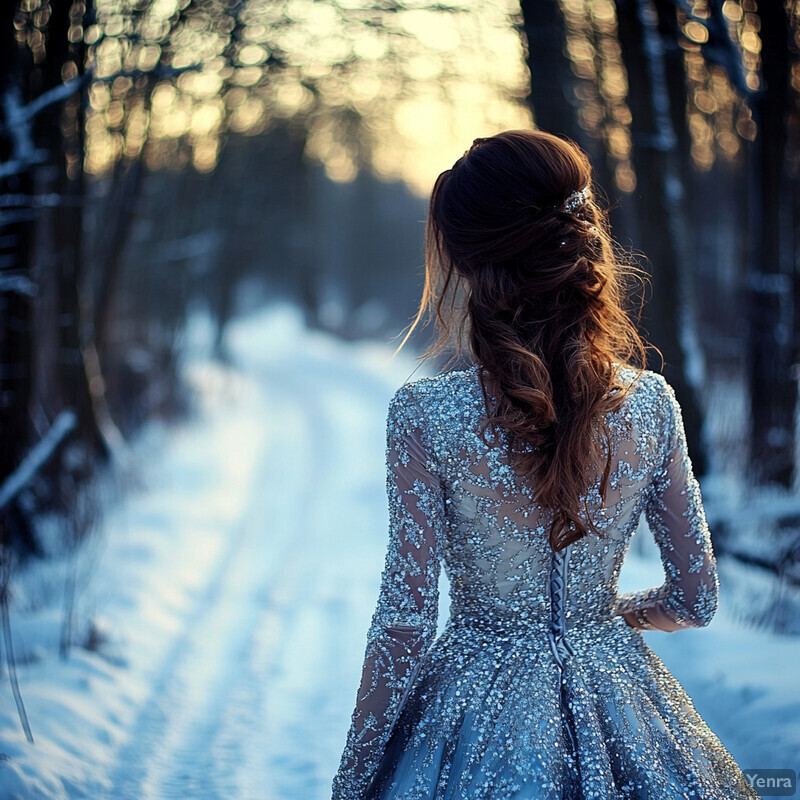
x=171, y=168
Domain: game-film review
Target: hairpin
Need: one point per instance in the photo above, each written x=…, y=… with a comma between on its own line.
x=576, y=199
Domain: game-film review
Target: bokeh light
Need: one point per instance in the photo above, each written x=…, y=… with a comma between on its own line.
x=400, y=92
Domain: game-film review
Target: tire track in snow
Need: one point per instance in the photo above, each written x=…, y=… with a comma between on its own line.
x=190, y=690
x=299, y=729
x=243, y=690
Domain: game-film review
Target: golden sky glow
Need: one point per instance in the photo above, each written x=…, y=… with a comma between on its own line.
x=402, y=93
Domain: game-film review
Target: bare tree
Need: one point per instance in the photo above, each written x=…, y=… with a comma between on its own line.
x=773, y=386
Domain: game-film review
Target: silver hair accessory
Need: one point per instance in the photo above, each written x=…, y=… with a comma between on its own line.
x=576, y=200
x=573, y=202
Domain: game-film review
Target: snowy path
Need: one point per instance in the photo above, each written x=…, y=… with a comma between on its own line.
x=220, y=725
x=211, y=683
x=238, y=586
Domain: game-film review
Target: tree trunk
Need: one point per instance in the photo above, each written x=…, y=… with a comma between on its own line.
x=66, y=126
x=16, y=286
x=552, y=95
x=675, y=74
x=552, y=98
x=773, y=390
x=659, y=195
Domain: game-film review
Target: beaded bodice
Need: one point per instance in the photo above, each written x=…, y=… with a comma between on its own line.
x=453, y=500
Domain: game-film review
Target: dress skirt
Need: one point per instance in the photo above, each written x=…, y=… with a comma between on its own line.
x=492, y=715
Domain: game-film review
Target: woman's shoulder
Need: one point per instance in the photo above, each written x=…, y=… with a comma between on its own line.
x=443, y=408
x=441, y=394
x=457, y=394
x=645, y=380
x=650, y=399
x=645, y=384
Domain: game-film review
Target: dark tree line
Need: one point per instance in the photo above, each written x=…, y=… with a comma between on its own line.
x=41, y=261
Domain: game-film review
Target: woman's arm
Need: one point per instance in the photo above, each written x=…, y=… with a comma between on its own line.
x=404, y=622
x=674, y=511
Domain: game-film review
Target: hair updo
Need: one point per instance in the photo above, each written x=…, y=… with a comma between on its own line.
x=520, y=265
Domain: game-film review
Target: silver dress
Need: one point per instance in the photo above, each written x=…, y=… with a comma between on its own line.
x=538, y=688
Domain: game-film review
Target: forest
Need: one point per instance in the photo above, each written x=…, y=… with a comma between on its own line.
x=157, y=156
x=163, y=161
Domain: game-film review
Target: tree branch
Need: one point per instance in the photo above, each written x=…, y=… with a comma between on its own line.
x=19, y=118
x=39, y=455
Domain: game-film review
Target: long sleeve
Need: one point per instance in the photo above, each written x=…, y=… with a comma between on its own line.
x=404, y=622
x=674, y=511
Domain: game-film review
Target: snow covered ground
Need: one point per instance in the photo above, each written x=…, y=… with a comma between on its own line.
x=231, y=590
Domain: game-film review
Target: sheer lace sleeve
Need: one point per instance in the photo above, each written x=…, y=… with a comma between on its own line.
x=674, y=512
x=404, y=622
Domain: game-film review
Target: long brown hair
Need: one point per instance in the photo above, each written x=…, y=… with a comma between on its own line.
x=534, y=285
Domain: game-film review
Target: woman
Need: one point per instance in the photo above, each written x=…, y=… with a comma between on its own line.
x=527, y=473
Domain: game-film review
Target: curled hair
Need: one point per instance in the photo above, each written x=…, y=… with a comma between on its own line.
x=536, y=290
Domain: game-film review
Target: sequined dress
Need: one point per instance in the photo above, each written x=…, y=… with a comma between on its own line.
x=538, y=688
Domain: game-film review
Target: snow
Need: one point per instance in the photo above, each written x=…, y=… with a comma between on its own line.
x=229, y=593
